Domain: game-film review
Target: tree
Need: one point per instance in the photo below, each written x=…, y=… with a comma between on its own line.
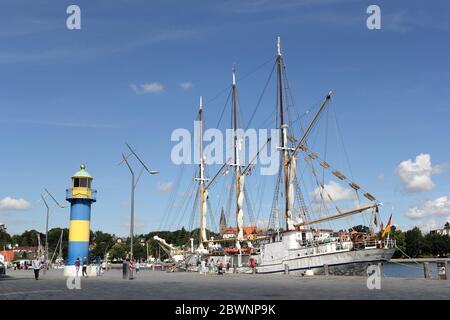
x=360, y=228
x=399, y=237
x=414, y=242
x=53, y=237
x=139, y=250
x=5, y=238
x=447, y=245
x=118, y=251
x=103, y=241
x=435, y=244
x=28, y=239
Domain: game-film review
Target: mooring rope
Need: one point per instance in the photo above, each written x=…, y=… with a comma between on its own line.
x=412, y=259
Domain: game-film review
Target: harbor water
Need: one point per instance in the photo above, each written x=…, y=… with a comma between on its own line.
x=409, y=270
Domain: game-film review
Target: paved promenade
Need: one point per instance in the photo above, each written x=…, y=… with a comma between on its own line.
x=162, y=285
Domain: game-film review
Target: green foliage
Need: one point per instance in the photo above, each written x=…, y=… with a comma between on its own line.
x=177, y=238
x=27, y=239
x=118, y=251
x=102, y=243
x=5, y=238
x=360, y=228
x=139, y=248
x=399, y=237
x=436, y=245
x=53, y=238
x=414, y=242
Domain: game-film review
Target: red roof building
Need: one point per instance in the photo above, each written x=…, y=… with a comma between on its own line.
x=230, y=232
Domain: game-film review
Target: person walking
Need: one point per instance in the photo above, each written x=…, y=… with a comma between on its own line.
x=138, y=266
x=203, y=267
x=37, y=265
x=77, y=267
x=85, y=263
x=211, y=266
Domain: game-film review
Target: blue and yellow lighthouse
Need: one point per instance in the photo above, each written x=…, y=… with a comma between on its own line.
x=81, y=196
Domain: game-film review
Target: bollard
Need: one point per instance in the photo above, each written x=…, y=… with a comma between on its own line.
x=326, y=270
x=446, y=269
x=254, y=270
x=426, y=270
x=124, y=269
x=286, y=269
x=234, y=268
x=442, y=270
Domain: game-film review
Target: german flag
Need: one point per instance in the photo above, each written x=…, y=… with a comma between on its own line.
x=387, y=229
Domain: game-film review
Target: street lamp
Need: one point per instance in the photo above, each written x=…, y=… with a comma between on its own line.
x=133, y=187
x=46, y=225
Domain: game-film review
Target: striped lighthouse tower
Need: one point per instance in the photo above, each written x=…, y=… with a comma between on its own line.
x=80, y=196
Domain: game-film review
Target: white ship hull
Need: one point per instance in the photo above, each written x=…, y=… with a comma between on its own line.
x=299, y=251
x=339, y=263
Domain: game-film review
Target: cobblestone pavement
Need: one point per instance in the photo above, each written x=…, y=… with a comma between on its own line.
x=162, y=285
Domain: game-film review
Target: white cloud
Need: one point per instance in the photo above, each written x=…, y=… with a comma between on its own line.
x=440, y=168
x=145, y=88
x=436, y=207
x=336, y=192
x=186, y=85
x=164, y=186
x=9, y=203
x=416, y=175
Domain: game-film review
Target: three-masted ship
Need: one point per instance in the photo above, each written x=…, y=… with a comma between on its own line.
x=301, y=245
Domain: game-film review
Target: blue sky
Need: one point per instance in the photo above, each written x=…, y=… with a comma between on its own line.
x=71, y=97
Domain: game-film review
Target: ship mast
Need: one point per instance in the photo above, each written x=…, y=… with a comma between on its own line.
x=289, y=161
x=203, y=192
x=238, y=173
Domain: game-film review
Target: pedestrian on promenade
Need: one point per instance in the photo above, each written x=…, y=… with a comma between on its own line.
x=211, y=265
x=228, y=265
x=203, y=267
x=37, y=265
x=138, y=265
x=85, y=263
x=220, y=268
x=77, y=267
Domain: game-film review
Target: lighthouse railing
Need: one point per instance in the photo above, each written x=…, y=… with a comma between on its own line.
x=81, y=193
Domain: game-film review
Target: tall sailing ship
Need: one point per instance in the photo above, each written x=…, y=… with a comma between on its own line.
x=301, y=245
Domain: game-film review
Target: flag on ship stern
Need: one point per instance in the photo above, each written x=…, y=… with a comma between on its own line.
x=387, y=229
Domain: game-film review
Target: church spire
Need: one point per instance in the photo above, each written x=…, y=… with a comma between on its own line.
x=223, y=223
